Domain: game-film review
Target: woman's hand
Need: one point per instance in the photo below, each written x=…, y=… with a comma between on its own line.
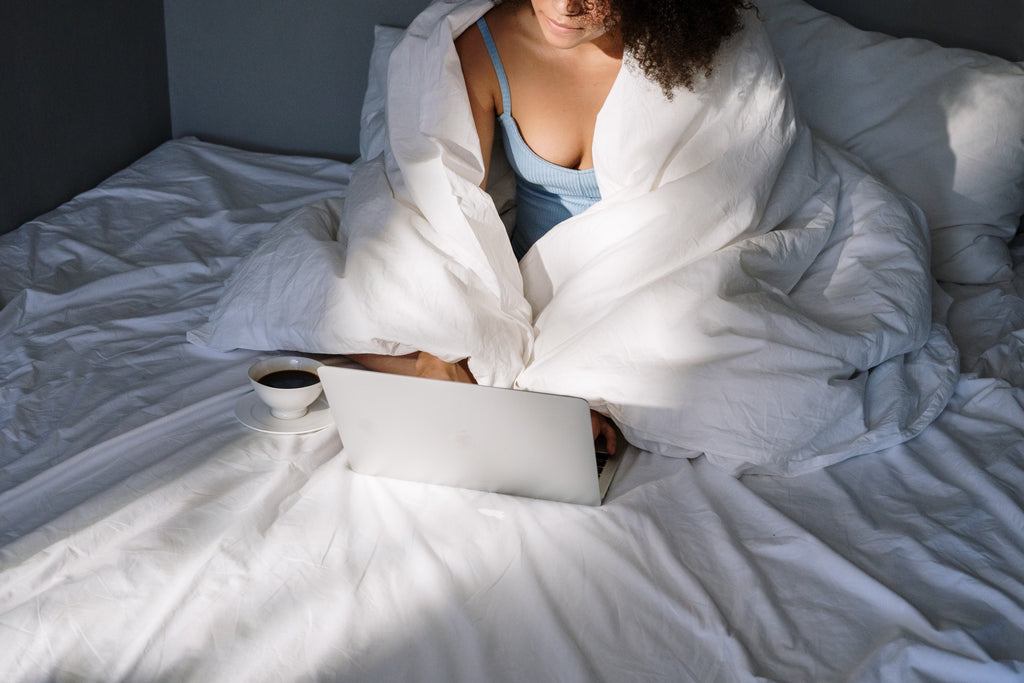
x=431, y=366
x=602, y=426
x=419, y=364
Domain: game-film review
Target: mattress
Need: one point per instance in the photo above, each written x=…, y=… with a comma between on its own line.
x=147, y=534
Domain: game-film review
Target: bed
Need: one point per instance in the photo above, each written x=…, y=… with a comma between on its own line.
x=147, y=534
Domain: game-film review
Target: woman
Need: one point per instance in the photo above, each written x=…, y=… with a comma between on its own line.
x=557, y=61
x=741, y=290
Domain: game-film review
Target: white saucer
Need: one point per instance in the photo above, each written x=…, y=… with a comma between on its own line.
x=255, y=414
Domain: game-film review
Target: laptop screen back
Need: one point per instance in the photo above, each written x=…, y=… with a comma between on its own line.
x=484, y=438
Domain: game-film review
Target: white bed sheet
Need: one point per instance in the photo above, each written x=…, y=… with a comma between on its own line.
x=148, y=535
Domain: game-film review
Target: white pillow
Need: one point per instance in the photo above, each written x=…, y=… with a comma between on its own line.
x=944, y=126
x=276, y=297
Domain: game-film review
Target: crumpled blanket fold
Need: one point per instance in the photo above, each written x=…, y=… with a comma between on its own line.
x=742, y=290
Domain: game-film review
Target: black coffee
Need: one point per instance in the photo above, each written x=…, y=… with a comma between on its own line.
x=289, y=379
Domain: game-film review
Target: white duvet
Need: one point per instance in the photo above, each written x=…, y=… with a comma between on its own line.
x=147, y=535
x=741, y=290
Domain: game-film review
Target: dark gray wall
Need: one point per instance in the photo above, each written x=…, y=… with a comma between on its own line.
x=994, y=26
x=87, y=87
x=275, y=75
x=83, y=92
x=288, y=75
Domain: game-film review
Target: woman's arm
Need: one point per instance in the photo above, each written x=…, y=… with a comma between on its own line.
x=482, y=86
x=420, y=364
x=476, y=69
x=484, y=92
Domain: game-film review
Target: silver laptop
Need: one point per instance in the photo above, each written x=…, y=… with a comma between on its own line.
x=485, y=438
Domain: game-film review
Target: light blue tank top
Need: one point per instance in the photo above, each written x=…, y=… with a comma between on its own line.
x=546, y=194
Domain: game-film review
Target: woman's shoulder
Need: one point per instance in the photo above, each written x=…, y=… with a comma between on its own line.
x=473, y=54
x=501, y=24
x=496, y=19
x=470, y=41
x=477, y=68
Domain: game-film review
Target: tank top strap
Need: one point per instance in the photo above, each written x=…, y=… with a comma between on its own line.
x=506, y=97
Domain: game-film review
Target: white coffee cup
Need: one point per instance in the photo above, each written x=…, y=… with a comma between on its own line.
x=288, y=385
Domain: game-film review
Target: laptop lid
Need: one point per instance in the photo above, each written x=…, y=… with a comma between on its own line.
x=485, y=438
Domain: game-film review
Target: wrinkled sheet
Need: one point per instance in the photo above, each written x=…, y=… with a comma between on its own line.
x=740, y=291
x=145, y=534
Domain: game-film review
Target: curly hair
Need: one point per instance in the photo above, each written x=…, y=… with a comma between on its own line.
x=674, y=42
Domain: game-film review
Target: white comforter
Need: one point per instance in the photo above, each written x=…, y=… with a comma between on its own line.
x=741, y=291
x=147, y=535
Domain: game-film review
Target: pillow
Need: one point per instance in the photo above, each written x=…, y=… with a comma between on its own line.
x=372, y=128
x=275, y=297
x=942, y=125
